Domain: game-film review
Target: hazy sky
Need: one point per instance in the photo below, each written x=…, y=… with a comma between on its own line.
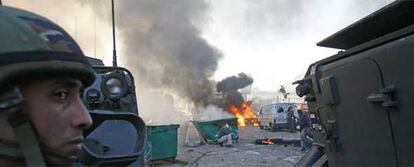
x=272, y=40
x=275, y=40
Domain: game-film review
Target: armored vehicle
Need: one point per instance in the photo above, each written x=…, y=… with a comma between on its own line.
x=362, y=96
x=118, y=135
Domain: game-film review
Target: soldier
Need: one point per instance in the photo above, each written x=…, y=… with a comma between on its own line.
x=42, y=73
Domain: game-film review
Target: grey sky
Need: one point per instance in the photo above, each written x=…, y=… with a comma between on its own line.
x=275, y=40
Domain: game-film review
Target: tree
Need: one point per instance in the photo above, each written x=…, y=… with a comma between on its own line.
x=282, y=91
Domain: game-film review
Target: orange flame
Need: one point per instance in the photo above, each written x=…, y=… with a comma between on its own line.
x=267, y=141
x=244, y=114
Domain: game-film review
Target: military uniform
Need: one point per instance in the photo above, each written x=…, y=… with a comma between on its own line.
x=31, y=46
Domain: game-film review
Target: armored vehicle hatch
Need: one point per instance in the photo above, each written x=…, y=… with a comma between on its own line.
x=389, y=19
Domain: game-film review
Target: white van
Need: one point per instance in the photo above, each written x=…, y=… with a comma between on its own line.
x=275, y=115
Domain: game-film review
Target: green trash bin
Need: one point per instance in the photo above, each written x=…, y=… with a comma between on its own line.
x=209, y=129
x=161, y=142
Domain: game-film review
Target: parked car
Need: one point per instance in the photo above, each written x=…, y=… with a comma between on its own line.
x=274, y=116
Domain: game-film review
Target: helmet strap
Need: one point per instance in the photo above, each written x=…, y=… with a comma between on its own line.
x=12, y=102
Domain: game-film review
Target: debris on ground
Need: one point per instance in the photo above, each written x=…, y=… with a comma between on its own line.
x=245, y=153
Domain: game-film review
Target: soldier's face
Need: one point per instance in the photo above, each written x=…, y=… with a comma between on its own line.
x=58, y=114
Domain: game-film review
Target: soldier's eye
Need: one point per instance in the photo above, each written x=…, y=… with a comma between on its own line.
x=61, y=94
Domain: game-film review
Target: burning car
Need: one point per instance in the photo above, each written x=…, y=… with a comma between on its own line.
x=244, y=114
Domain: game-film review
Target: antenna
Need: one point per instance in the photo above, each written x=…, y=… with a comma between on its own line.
x=113, y=35
x=94, y=37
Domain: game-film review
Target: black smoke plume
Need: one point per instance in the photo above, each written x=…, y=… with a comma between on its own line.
x=230, y=86
x=162, y=45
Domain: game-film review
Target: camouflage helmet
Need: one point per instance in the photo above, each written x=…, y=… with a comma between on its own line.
x=31, y=44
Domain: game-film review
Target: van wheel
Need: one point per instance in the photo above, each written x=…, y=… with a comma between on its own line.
x=261, y=127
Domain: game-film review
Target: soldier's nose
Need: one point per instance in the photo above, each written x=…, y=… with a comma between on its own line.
x=81, y=118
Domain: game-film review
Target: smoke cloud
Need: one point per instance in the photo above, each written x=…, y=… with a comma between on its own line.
x=164, y=47
x=230, y=86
